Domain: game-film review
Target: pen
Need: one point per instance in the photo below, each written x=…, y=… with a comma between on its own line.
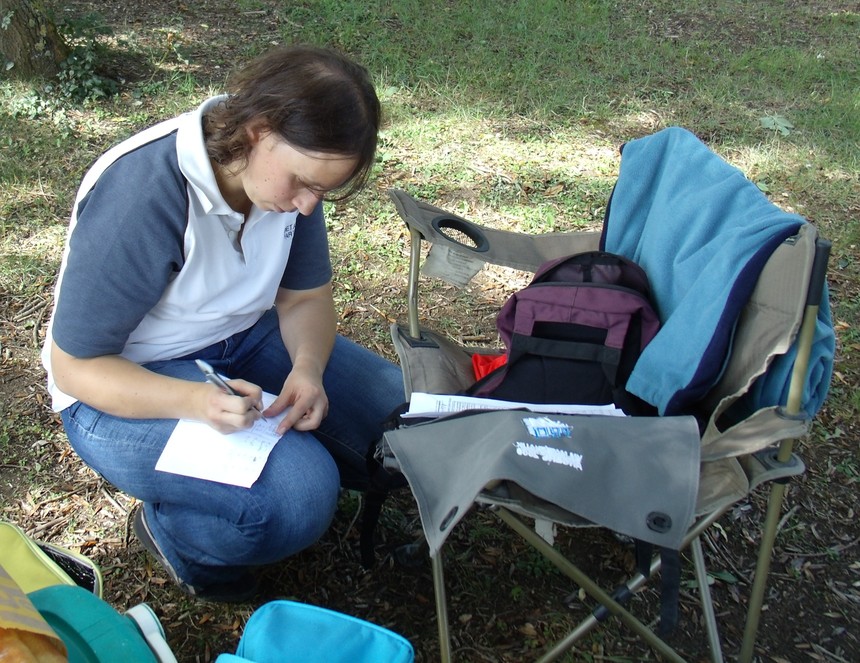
x=212, y=377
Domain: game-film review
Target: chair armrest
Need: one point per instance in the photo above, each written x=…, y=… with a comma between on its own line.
x=497, y=247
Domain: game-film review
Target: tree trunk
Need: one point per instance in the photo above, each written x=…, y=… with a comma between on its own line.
x=30, y=46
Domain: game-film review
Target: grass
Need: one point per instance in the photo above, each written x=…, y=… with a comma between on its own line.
x=510, y=99
x=508, y=113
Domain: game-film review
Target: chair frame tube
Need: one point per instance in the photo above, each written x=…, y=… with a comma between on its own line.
x=573, y=572
x=415, y=239
x=786, y=447
x=441, y=607
x=569, y=569
x=706, y=601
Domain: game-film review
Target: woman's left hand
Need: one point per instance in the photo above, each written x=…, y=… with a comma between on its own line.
x=308, y=326
x=306, y=399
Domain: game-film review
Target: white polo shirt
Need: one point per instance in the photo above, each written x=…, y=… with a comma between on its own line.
x=153, y=268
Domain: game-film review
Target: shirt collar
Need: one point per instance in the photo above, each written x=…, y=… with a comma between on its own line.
x=194, y=160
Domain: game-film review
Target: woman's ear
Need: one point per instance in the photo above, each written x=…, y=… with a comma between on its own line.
x=257, y=130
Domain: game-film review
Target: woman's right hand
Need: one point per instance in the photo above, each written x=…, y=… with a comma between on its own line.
x=228, y=413
x=122, y=388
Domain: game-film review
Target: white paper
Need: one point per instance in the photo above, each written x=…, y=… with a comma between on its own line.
x=433, y=405
x=195, y=449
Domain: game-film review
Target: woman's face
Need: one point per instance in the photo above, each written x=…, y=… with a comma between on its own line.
x=281, y=178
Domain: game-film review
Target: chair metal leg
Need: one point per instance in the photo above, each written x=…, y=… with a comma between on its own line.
x=571, y=571
x=441, y=608
x=792, y=407
x=762, y=569
x=706, y=600
x=414, y=272
x=593, y=620
x=632, y=585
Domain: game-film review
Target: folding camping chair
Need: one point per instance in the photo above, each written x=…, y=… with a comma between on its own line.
x=763, y=354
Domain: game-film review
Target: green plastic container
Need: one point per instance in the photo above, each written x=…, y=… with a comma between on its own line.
x=91, y=629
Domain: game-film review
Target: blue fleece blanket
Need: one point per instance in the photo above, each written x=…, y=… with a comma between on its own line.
x=702, y=232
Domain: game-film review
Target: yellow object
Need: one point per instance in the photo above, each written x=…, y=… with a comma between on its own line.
x=26, y=563
x=25, y=636
x=32, y=568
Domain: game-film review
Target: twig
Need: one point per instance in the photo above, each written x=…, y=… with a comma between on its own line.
x=37, y=323
x=37, y=309
x=51, y=523
x=727, y=560
x=115, y=504
x=821, y=650
x=354, y=518
x=476, y=338
x=382, y=313
x=785, y=518
x=56, y=498
x=28, y=308
x=826, y=553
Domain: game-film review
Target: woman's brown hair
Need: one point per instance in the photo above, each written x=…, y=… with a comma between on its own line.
x=314, y=98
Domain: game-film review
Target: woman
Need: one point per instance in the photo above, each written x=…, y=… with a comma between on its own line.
x=203, y=238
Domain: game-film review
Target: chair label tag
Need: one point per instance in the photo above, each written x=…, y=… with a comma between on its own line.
x=450, y=265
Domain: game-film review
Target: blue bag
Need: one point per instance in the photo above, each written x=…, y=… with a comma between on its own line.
x=290, y=632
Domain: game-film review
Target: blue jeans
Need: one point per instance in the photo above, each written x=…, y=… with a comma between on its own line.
x=212, y=532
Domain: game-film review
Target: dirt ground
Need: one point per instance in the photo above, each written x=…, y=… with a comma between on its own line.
x=505, y=602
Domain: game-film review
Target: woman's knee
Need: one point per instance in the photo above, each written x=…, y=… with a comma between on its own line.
x=123, y=451
x=297, y=500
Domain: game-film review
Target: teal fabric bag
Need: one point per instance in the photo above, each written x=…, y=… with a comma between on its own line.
x=290, y=632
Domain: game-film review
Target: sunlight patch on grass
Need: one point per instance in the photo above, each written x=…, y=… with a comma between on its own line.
x=791, y=176
x=521, y=173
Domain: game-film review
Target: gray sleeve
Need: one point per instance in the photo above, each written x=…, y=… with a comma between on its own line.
x=127, y=244
x=309, y=264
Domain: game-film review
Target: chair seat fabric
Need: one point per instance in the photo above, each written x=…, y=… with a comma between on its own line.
x=636, y=475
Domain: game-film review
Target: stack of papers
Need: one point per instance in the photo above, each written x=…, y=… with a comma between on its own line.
x=435, y=405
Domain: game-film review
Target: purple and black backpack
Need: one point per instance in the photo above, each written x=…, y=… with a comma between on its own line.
x=574, y=334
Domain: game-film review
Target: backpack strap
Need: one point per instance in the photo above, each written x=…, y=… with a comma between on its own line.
x=381, y=482
x=670, y=589
x=374, y=498
x=670, y=582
